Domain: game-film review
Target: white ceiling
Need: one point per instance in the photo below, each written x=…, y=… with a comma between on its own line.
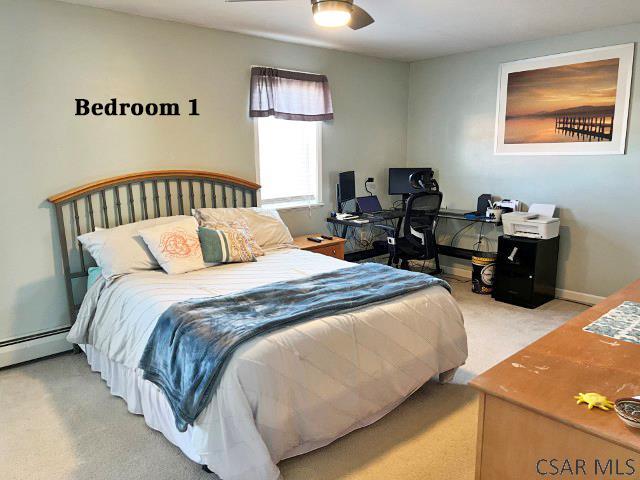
x=404, y=29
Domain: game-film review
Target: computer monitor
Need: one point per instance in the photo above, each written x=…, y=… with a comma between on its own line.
x=347, y=186
x=399, y=180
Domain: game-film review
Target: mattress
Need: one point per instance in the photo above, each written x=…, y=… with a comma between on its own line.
x=281, y=394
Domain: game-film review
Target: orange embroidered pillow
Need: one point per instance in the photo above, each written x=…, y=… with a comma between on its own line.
x=175, y=246
x=120, y=250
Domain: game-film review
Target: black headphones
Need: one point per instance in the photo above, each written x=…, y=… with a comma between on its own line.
x=421, y=180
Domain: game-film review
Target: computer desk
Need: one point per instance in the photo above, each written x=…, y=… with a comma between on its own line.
x=342, y=227
x=396, y=216
x=457, y=214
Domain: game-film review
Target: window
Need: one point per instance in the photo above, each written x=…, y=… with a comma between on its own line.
x=289, y=162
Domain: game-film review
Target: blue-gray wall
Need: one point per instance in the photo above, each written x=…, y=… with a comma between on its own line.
x=452, y=109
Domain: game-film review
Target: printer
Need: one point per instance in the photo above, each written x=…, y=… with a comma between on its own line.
x=538, y=222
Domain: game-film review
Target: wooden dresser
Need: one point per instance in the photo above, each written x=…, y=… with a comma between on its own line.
x=530, y=426
x=331, y=248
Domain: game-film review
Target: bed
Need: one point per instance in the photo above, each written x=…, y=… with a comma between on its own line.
x=282, y=394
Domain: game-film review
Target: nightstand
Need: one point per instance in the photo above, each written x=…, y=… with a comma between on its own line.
x=332, y=248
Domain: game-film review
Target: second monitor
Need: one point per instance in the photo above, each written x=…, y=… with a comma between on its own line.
x=346, y=188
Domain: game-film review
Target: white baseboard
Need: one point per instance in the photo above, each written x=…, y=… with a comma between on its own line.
x=578, y=296
x=457, y=271
x=32, y=349
x=561, y=293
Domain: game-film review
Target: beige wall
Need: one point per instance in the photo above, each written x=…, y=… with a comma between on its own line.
x=52, y=53
x=452, y=107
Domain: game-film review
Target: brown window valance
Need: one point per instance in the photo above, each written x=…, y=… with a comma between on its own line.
x=289, y=95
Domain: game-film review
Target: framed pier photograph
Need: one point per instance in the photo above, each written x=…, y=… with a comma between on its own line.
x=567, y=104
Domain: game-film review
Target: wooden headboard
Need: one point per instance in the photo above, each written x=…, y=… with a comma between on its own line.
x=131, y=198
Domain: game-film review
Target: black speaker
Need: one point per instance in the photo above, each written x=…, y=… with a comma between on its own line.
x=483, y=204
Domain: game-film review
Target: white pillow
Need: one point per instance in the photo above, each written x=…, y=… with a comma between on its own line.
x=121, y=250
x=176, y=245
x=265, y=224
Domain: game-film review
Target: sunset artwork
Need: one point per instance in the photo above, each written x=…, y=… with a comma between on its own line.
x=569, y=103
x=573, y=103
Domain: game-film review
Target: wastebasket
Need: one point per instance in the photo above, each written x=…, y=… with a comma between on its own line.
x=484, y=269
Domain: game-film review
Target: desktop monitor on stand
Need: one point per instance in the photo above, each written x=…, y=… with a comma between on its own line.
x=346, y=188
x=399, y=183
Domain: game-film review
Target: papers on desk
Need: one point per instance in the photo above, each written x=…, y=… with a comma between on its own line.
x=347, y=217
x=542, y=209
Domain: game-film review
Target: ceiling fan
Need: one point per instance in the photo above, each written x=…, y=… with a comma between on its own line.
x=334, y=13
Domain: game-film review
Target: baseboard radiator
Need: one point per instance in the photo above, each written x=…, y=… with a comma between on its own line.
x=36, y=345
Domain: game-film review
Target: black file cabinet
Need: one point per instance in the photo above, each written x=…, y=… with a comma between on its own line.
x=526, y=270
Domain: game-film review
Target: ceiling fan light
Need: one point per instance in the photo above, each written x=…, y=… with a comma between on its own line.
x=331, y=13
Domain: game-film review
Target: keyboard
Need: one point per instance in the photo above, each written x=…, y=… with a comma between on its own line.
x=385, y=213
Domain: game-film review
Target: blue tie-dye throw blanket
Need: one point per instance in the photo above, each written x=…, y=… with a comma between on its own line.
x=193, y=340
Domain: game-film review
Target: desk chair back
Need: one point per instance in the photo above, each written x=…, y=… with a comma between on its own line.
x=420, y=221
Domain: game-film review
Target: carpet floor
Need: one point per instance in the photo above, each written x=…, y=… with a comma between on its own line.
x=497, y=330
x=59, y=421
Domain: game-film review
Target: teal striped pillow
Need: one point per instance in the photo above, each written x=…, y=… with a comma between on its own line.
x=225, y=246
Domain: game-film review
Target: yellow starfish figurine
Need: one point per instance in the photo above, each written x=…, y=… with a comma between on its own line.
x=594, y=400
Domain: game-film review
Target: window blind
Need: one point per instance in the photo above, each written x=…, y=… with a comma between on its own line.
x=288, y=161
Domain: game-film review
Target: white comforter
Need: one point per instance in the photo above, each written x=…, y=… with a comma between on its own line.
x=287, y=392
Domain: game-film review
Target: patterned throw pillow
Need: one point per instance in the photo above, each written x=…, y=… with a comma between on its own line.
x=175, y=246
x=239, y=225
x=265, y=224
x=225, y=246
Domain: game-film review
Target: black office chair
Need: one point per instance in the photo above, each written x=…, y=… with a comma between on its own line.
x=418, y=241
